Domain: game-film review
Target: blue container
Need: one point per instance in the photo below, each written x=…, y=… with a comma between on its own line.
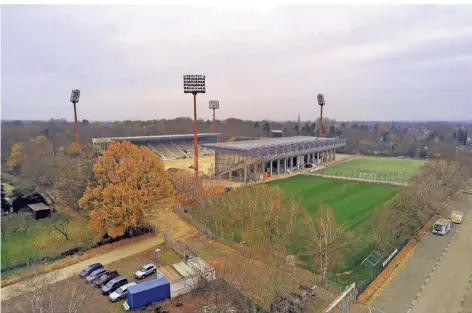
x=148, y=292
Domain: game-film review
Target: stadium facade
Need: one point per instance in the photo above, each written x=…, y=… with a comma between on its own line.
x=250, y=160
x=168, y=147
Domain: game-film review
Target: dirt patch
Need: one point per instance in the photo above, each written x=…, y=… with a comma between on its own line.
x=206, y=164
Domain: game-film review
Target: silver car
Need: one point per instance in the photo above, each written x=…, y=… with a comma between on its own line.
x=95, y=274
x=120, y=293
x=144, y=271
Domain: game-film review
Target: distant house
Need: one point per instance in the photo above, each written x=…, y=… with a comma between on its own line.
x=39, y=210
x=276, y=133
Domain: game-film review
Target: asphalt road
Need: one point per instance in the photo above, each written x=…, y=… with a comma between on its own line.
x=448, y=283
x=437, y=276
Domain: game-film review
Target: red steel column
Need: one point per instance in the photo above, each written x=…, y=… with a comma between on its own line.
x=321, y=122
x=76, y=126
x=195, y=137
x=214, y=121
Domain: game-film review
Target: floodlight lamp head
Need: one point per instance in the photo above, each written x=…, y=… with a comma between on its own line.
x=214, y=104
x=75, y=95
x=194, y=84
x=321, y=101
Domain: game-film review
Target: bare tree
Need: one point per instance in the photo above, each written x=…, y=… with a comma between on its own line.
x=40, y=295
x=61, y=225
x=328, y=239
x=73, y=176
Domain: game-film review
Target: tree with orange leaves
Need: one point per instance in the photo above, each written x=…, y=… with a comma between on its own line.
x=74, y=149
x=17, y=156
x=128, y=187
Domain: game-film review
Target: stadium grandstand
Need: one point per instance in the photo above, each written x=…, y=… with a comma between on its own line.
x=168, y=147
x=253, y=160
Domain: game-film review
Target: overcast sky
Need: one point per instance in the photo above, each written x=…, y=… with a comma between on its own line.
x=372, y=63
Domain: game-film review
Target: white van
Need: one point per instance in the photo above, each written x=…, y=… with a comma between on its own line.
x=442, y=226
x=457, y=216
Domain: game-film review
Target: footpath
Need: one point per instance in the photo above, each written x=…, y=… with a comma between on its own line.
x=436, y=277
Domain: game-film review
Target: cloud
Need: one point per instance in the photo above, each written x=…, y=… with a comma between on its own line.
x=371, y=62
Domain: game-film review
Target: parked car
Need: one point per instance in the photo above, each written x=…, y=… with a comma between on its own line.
x=89, y=269
x=442, y=226
x=114, y=284
x=144, y=271
x=121, y=292
x=95, y=274
x=105, y=278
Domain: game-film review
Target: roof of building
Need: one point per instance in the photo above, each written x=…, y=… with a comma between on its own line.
x=154, y=138
x=200, y=265
x=170, y=273
x=38, y=207
x=272, y=145
x=184, y=269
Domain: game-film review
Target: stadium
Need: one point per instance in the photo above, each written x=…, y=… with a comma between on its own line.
x=253, y=160
x=168, y=147
x=243, y=161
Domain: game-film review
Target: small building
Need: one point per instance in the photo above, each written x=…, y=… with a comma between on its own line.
x=277, y=133
x=39, y=210
x=204, y=269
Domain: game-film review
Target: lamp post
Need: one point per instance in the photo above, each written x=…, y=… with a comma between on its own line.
x=214, y=105
x=194, y=84
x=321, y=103
x=74, y=98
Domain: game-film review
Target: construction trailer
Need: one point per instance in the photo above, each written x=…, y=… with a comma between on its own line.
x=252, y=160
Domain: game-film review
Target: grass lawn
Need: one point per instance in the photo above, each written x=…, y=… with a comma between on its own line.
x=352, y=203
x=40, y=240
x=397, y=169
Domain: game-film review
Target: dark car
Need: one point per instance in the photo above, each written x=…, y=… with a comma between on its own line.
x=95, y=274
x=89, y=269
x=105, y=278
x=114, y=284
x=308, y=165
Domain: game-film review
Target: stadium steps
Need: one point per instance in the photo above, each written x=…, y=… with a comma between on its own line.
x=170, y=151
x=162, y=150
x=204, y=151
x=188, y=148
x=177, y=151
x=161, y=154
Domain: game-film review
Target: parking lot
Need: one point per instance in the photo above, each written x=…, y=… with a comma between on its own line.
x=94, y=300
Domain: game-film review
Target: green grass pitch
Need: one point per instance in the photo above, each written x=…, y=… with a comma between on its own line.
x=352, y=203
x=398, y=169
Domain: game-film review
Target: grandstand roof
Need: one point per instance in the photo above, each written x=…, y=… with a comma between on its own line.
x=268, y=146
x=154, y=138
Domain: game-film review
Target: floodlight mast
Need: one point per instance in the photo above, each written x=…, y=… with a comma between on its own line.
x=321, y=103
x=214, y=105
x=74, y=98
x=194, y=84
